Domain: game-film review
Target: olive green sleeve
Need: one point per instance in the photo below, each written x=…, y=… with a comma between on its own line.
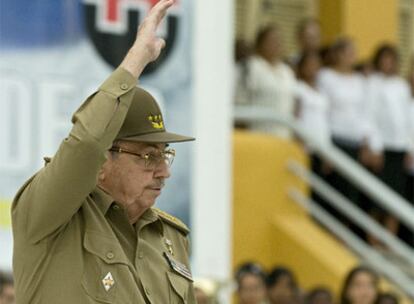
x=58, y=190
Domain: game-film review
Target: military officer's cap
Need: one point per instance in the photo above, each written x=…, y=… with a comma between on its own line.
x=144, y=122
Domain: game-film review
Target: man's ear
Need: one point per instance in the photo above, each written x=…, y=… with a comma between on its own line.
x=101, y=176
x=103, y=172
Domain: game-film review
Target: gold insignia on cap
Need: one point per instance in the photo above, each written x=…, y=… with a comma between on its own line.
x=156, y=121
x=108, y=281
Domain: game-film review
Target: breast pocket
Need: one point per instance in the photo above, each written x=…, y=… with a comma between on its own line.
x=179, y=288
x=106, y=269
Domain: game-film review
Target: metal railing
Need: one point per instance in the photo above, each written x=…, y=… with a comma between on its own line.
x=369, y=255
x=364, y=181
x=353, y=171
x=346, y=207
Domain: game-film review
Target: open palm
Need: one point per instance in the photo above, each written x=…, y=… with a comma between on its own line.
x=146, y=36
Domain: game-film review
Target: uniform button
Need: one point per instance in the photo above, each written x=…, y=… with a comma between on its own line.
x=110, y=255
x=140, y=255
x=115, y=207
x=124, y=86
x=147, y=291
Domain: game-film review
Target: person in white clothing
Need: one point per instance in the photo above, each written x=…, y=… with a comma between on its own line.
x=312, y=105
x=309, y=39
x=269, y=83
x=350, y=123
x=312, y=114
x=390, y=98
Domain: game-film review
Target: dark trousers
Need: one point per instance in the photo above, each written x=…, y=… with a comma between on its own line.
x=346, y=188
x=317, y=168
x=409, y=188
x=405, y=233
x=393, y=174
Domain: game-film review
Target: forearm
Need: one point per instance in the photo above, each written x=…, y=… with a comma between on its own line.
x=136, y=60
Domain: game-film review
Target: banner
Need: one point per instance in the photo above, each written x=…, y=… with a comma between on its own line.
x=53, y=54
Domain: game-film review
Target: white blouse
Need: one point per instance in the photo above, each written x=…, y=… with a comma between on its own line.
x=268, y=86
x=390, y=99
x=349, y=116
x=313, y=112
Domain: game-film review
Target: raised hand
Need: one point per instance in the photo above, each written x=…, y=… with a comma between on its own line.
x=146, y=36
x=147, y=46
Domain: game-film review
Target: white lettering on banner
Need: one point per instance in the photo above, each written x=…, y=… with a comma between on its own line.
x=35, y=116
x=15, y=120
x=54, y=96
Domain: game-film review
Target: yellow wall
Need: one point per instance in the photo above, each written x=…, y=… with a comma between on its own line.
x=330, y=16
x=268, y=226
x=368, y=22
x=371, y=22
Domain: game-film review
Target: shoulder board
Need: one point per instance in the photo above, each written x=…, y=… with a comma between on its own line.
x=173, y=221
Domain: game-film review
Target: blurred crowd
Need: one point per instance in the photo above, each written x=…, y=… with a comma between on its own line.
x=364, y=108
x=6, y=288
x=279, y=286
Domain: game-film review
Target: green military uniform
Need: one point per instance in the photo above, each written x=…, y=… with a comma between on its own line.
x=73, y=243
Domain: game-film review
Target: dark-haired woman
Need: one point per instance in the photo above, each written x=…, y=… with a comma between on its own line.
x=360, y=287
x=319, y=295
x=312, y=105
x=312, y=111
x=268, y=82
x=251, y=284
x=282, y=287
x=351, y=125
x=390, y=98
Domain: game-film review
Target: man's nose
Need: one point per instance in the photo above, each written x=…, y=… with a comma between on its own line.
x=162, y=170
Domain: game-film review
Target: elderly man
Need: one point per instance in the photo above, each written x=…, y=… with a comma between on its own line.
x=84, y=230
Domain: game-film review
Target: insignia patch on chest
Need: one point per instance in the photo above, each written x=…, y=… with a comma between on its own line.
x=178, y=267
x=108, y=281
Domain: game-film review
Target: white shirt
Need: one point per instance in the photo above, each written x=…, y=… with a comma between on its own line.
x=269, y=86
x=390, y=99
x=313, y=111
x=349, y=117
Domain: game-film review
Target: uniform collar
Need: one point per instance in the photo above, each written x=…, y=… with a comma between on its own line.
x=151, y=217
x=104, y=202
x=103, y=199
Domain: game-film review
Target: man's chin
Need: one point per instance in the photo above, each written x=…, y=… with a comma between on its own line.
x=151, y=202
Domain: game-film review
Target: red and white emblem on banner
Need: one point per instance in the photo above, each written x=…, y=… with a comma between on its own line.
x=112, y=15
x=112, y=27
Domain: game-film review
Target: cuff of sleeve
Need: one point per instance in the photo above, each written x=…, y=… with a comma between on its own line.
x=119, y=83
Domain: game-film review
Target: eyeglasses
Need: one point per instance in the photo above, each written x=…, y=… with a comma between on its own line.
x=152, y=159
